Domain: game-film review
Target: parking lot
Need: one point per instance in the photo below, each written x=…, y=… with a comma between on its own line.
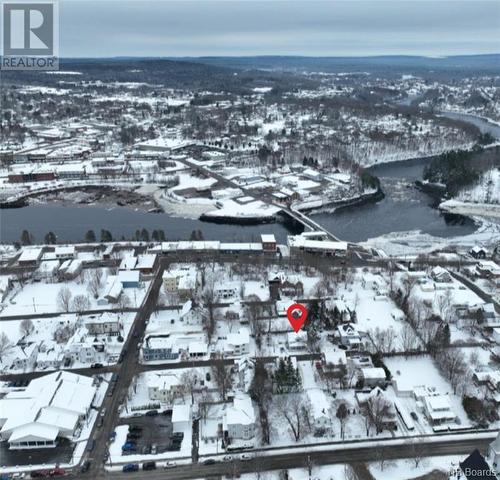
x=155, y=430
x=37, y=456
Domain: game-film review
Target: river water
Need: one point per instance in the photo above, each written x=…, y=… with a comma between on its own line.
x=403, y=209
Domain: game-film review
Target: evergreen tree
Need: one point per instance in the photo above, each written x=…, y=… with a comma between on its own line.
x=106, y=236
x=90, y=236
x=26, y=238
x=144, y=235
x=50, y=238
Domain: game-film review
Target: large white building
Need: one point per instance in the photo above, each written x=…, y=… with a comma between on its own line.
x=50, y=407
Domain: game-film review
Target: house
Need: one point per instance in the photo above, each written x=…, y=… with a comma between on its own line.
x=197, y=349
x=70, y=269
x=440, y=275
x=478, y=252
x=164, y=388
x=30, y=257
x=112, y=291
x=239, y=419
x=24, y=356
x=334, y=362
x=226, y=290
x=129, y=278
x=181, y=281
x=312, y=174
x=65, y=252
x=146, y=263
x=488, y=269
x=51, y=407
x=159, y=348
x=181, y=418
x=376, y=397
x=475, y=467
x=349, y=336
x=238, y=344
x=297, y=341
x=373, y=376
x=268, y=242
x=437, y=409
x=320, y=411
x=104, y=324
x=50, y=359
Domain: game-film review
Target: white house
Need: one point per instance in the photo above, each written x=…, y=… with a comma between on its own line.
x=440, y=275
x=65, y=252
x=104, y=324
x=164, y=388
x=24, y=356
x=320, y=411
x=238, y=344
x=349, y=336
x=51, y=406
x=437, y=409
x=239, y=418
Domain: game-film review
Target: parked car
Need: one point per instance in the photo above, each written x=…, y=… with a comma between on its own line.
x=103, y=412
x=90, y=445
x=414, y=416
x=170, y=464
x=100, y=422
x=131, y=467
x=96, y=365
x=146, y=449
x=209, y=461
x=228, y=458
x=112, y=437
x=151, y=413
x=149, y=466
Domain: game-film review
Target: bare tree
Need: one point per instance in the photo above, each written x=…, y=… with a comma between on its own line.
x=342, y=414
x=222, y=376
x=382, y=339
x=208, y=314
x=256, y=324
x=350, y=473
x=408, y=338
x=26, y=327
x=81, y=303
x=452, y=365
x=5, y=345
x=64, y=299
x=123, y=302
x=417, y=449
x=189, y=380
x=94, y=281
x=295, y=412
x=444, y=304
x=376, y=410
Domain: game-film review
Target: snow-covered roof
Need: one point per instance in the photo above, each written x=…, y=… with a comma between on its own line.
x=268, y=238
x=241, y=412
x=30, y=254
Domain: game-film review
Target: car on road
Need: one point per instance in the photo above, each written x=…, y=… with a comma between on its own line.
x=112, y=437
x=149, y=466
x=414, y=416
x=246, y=456
x=209, y=461
x=228, y=458
x=131, y=467
x=103, y=412
x=100, y=422
x=85, y=466
x=170, y=464
x=90, y=445
x=96, y=365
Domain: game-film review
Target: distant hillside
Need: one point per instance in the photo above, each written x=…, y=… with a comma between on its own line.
x=379, y=64
x=169, y=73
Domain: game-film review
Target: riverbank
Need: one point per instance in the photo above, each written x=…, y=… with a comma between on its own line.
x=457, y=207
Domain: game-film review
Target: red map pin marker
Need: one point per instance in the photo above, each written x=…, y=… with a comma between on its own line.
x=297, y=315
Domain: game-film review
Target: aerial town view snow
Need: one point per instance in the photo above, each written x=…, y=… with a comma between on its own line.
x=245, y=239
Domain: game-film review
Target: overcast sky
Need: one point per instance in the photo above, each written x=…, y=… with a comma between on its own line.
x=288, y=27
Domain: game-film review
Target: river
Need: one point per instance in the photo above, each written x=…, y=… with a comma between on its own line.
x=403, y=209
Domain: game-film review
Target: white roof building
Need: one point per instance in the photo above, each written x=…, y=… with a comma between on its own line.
x=239, y=418
x=49, y=407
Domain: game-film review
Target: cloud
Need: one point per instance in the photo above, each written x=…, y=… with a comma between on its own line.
x=288, y=27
